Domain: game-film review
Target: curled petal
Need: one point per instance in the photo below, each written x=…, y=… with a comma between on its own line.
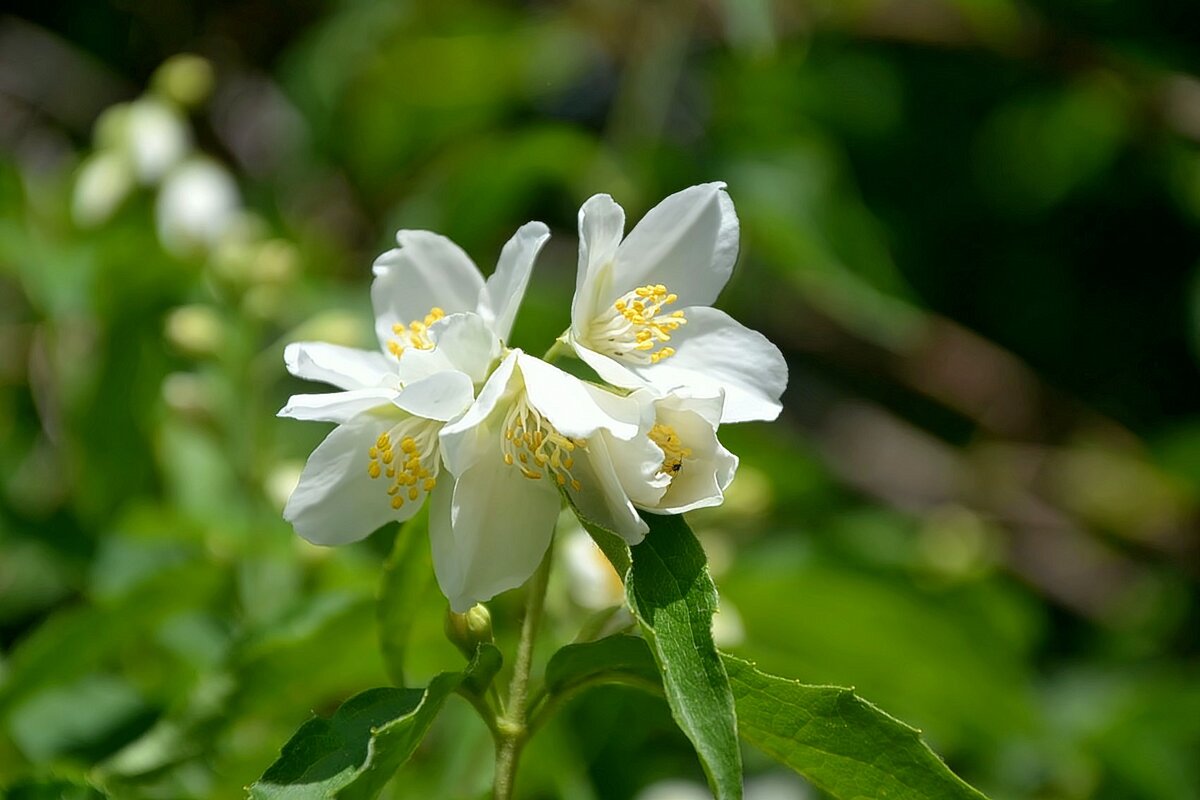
x=503, y=291
x=343, y=367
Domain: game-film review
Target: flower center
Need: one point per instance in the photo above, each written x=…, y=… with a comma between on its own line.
x=532, y=445
x=407, y=456
x=636, y=328
x=672, y=446
x=415, y=334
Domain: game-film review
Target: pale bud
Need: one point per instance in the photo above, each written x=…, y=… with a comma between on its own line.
x=469, y=630
x=185, y=79
x=196, y=330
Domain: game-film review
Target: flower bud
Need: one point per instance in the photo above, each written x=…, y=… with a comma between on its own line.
x=196, y=330
x=185, y=79
x=468, y=631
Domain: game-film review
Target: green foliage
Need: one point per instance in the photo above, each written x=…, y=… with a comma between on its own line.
x=407, y=576
x=673, y=597
x=353, y=754
x=837, y=740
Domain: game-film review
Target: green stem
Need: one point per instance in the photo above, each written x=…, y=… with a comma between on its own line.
x=558, y=349
x=513, y=731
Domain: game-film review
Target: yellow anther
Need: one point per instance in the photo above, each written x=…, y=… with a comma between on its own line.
x=576, y=485
x=417, y=439
x=535, y=446
x=672, y=447
x=636, y=324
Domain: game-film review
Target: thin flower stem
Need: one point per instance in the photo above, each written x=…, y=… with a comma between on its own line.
x=558, y=349
x=512, y=728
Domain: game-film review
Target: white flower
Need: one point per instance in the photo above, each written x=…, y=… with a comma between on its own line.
x=382, y=460
x=531, y=433
x=428, y=276
x=154, y=136
x=104, y=181
x=197, y=204
x=694, y=469
x=641, y=312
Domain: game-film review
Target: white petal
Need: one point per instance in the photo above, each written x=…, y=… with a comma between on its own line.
x=462, y=342
x=343, y=367
x=688, y=242
x=441, y=396
x=601, y=499
x=424, y=272
x=601, y=226
x=710, y=468
x=463, y=441
x=714, y=352
x=500, y=526
x=336, y=406
x=563, y=400
x=503, y=291
x=336, y=501
x=607, y=367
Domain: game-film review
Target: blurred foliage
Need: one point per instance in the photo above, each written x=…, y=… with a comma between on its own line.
x=972, y=226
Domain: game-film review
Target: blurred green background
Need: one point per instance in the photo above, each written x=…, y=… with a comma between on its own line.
x=972, y=226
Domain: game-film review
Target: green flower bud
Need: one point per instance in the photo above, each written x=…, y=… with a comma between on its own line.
x=185, y=79
x=468, y=631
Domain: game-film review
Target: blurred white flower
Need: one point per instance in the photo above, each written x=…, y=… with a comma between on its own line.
x=104, y=181
x=531, y=433
x=674, y=790
x=154, y=135
x=727, y=627
x=198, y=202
x=591, y=579
x=636, y=293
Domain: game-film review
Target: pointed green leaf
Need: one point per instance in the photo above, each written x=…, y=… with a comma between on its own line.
x=838, y=741
x=405, y=579
x=354, y=753
x=615, y=659
x=673, y=598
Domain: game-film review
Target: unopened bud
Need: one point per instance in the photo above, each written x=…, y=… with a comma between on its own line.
x=468, y=631
x=185, y=79
x=196, y=330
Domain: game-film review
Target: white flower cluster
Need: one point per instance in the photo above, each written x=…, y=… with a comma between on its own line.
x=494, y=436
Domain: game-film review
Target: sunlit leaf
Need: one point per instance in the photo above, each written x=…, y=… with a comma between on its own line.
x=673, y=597
x=839, y=741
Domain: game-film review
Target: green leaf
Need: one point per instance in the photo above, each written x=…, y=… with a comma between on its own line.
x=673, y=597
x=353, y=754
x=406, y=578
x=838, y=741
x=612, y=545
x=615, y=659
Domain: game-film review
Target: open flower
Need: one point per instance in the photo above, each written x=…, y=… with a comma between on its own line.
x=428, y=277
x=641, y=314
x=382, y=460
x=694, y=468
x=531, y=434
